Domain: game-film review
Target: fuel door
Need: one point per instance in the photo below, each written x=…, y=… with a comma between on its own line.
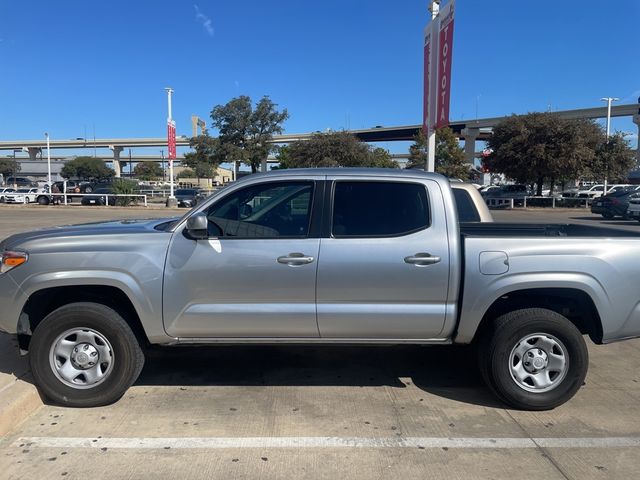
x=494, y=263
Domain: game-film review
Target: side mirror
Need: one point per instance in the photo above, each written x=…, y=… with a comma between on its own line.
x=197, y=226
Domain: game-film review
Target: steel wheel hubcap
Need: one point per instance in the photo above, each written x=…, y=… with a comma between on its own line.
x=81, y=358
x=538, y=362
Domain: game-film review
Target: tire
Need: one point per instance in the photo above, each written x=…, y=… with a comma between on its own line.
x=88, y=189
x=42, y=200
x=533, y=335
x=108, y=337
x=608, y=216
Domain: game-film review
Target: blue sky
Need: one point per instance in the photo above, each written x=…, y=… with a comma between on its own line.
x=69, y=66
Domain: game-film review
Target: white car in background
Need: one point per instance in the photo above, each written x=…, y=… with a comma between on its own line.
x=633, y=212
x=4, y=191
x=25, y=195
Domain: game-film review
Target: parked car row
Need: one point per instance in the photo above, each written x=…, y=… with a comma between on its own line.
x=624, y=202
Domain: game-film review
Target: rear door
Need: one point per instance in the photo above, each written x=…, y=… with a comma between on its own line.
x=384, y=270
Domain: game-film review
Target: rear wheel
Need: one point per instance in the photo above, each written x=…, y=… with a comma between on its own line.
x=534, y=359
x=42, y=200
x=84, y=355
x=607, y=215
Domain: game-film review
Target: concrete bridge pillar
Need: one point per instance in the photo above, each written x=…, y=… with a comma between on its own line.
x=470, y=137
x=33, y=152
x=236, y=169
x=116, y=159
x=263, y=165
x=636, y=120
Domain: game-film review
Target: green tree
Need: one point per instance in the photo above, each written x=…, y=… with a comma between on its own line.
x=449, y=157
x=204, y=170
x=121, y=186
x=186, y=173
x=613, y=160
x=245, y=132
x=147, y=170
x=8, y=167
x=536, y=147
x=205, y=158
x=86, y=168
x=334, y=149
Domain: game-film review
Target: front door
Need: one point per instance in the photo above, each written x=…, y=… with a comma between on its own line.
x=255, y=276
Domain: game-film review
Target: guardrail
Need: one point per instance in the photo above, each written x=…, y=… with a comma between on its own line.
x=106, y=196
x=553, y=202
x=165, y=193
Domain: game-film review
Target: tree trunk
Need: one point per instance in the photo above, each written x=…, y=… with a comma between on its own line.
x=539, y=186
x=553, y=183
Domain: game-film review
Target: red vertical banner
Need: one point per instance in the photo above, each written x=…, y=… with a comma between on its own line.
x=445, y=52
x=171, y=139
x=427, y=80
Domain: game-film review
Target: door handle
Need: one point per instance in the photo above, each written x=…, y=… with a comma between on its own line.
x=295, y=259
x=421, y=259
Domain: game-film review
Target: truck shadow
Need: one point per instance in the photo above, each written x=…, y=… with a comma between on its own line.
x=446, y=371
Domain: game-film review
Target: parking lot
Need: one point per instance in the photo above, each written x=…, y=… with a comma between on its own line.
x=327, y=412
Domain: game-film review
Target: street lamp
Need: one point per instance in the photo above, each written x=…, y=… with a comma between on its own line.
x=48, y=160
x=609, y=100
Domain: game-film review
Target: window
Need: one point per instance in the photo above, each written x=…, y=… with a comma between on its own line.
x=378, y=209
x=467, y=211
x=274, y=209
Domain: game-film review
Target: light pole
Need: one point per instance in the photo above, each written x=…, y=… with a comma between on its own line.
x=434, y=9
x=48, y=160
x=609, y=100
x=171, y=201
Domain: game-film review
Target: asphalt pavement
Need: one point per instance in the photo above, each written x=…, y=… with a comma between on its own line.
x=328, y=412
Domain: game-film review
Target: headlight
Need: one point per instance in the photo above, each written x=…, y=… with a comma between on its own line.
x=11, y=260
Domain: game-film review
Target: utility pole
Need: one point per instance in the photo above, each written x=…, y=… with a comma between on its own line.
x=48, y=161
x=609, y=100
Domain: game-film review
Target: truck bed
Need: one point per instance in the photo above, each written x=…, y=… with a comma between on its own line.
x=496, y=229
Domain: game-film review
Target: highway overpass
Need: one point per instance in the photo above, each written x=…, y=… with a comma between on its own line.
x=469, y=130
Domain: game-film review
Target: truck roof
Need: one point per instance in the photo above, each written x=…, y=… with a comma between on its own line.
x=364, y=172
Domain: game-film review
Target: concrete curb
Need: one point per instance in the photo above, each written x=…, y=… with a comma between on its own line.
x=19, y=398
x=17, y=402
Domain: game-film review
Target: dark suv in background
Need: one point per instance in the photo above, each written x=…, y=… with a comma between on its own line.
x=516, y=191
x=614, y=204
x=188, y=197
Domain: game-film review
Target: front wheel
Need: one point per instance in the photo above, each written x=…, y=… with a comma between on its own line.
x=84, y=355
x=534, y=358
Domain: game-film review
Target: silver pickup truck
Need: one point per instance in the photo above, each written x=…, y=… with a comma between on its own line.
x=323, y=256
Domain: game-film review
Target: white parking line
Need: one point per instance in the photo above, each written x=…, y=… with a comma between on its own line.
x=325, y=442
